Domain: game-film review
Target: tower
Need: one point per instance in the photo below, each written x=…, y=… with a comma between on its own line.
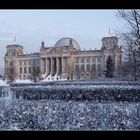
x=110, y=47
x=14, y=50
x=109, y=43
x=11, y=60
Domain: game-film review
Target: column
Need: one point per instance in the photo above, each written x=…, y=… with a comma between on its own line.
x=55, y=66
x=27, y=69
x=66, y=65
x=46, y=65
x=51, y=65
x=60, y=69
x=57, y=63
x=96, y=63
x=90, y=63
x=41, y=65
x=62, y=63
x=85, y=67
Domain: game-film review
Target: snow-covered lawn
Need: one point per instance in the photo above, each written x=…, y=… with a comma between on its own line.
x=84, y=105
x=68, y=115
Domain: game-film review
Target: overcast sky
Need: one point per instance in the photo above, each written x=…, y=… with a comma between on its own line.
x=31, y=27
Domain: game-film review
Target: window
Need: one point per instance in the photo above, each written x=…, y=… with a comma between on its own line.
x=11, y=51
x=93, y=59
x=11, y=63
x=112, y=42
x=24, y=69
x=34, y=69
x=99, y=68
x=82, y=60
x=38, y=70
x=30, y=62
x=66, y=47
x=99, y=59
x=82, y=67
x=93, y=68
x=20, y=62
x=24, y=62
x=88, y=67
x=29, y=69
x=77, y=68
x=20, y=70
x=88, y=59
x=36, y=62
x=77, y=60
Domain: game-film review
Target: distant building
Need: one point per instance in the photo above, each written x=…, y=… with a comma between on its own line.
x=65, y=59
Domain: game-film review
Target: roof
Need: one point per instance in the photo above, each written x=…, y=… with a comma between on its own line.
x=111, y=37
x=14, y=45
x=63, y=42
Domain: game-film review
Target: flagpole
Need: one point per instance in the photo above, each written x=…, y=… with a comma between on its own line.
x=14, y=40
x=109, y=31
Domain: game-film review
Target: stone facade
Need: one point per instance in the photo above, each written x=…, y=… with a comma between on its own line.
x=65, y=60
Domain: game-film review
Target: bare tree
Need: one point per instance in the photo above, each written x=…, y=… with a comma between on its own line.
x=131, y=41
x=11, y=73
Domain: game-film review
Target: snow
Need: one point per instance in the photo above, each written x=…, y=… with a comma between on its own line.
x=44, y=75
x=69, y=106
x=3, y=83
x=48, y=78
x=69, y=115
x=51, y=78
x=23, y=81
x=56, y=77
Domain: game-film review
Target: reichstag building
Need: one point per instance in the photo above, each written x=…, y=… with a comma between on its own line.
x=64, y=61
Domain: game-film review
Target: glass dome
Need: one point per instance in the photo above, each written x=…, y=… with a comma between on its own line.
x=66, y=42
